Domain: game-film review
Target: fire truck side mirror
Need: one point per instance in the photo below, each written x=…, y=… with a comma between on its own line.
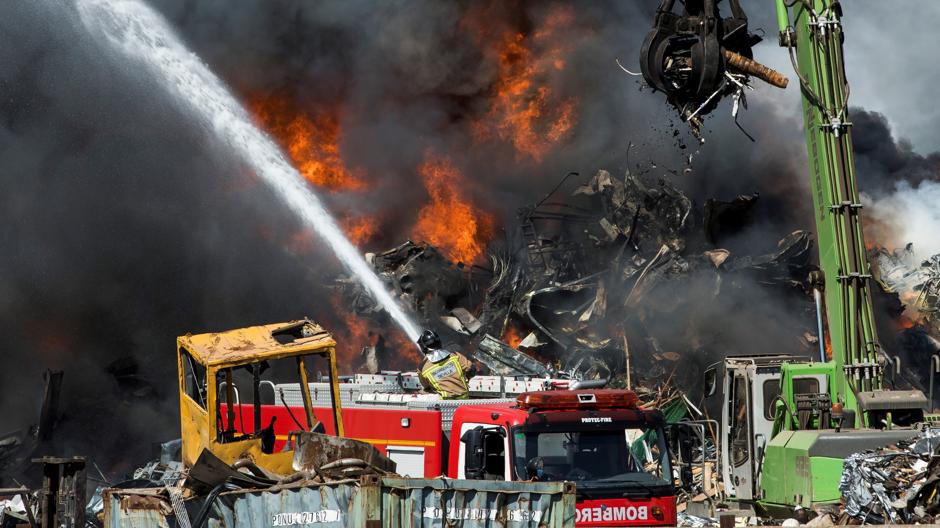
x=473, y=453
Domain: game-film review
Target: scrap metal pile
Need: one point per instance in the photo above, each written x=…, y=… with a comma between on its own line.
x=914, y=286
x=619, y=271
x=895, y=484
x=917, y=283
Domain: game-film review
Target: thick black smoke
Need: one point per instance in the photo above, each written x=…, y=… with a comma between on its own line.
x=899, y=186
x=413, y=76
x=125, y=225
x=883, y=161
x=900, y=189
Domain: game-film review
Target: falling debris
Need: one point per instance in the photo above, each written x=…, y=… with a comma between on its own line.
x=723, y=218
x=698, y=58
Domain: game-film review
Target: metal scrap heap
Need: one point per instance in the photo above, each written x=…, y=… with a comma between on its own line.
x=913, y=286
x=594, y=281
x=918, y=283
x=896, y=484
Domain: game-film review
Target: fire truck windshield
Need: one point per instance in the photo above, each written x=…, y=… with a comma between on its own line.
x=600, y=455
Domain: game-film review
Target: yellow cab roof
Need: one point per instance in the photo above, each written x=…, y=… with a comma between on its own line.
x=256, y=343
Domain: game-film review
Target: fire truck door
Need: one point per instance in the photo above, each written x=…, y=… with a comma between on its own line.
x=497, y=460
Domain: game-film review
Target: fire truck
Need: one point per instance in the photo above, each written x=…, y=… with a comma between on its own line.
x=250, y=393
x=601, y=439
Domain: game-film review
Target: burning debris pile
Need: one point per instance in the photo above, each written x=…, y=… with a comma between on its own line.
x=917, y=284
x=620, y=272
x=896, y=484
x=913, y=287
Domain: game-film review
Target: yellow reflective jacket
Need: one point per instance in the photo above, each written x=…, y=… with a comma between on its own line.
x=447, y=377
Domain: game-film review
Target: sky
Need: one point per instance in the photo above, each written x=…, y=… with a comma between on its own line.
x=890, y=62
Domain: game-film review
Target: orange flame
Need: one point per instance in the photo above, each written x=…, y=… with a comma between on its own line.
x=877, y=233
x=903, y=322
x=312, y=142
x=360, y=229
x=512, y=337
x=524, y=111
x=354, y=334
x=449, y=222
x=403, y=348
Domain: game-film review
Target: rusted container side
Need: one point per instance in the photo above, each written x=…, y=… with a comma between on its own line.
x=473, y=503
x=323, y=506
x=413, y=503
x=137, y=508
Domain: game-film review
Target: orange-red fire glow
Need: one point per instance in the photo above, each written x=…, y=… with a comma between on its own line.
x=311, y=141
x=449, y=221
x=524, y=109
x=402, y=347
x=512, y=337
x=904, y=323
x=354, y=334
x=359, y=229
x=301, y=242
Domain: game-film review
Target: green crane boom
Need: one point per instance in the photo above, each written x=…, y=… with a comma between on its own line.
x=812, y=32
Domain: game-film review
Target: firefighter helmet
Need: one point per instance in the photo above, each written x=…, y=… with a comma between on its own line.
x=429, y=341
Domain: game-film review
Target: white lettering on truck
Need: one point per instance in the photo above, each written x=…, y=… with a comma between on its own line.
x=597, y=419
x=612, y=513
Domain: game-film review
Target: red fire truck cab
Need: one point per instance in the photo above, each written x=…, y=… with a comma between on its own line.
x=583, y=436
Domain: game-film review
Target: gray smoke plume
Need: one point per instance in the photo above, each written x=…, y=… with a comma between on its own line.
x=901, y=187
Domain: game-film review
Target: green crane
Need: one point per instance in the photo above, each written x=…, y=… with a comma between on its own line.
x=787, y=423
x=813, y=38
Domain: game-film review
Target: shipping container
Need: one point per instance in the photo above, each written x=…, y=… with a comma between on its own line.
x=370, y=502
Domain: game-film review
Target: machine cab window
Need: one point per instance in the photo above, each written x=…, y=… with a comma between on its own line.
x=194, y=379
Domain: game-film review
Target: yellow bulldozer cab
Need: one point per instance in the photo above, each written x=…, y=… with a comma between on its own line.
x=207, y=364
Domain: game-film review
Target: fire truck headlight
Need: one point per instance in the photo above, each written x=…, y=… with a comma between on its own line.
x=406, y=422
x=657, y=513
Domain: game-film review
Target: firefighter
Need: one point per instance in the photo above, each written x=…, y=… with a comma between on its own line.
x=443, y=371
